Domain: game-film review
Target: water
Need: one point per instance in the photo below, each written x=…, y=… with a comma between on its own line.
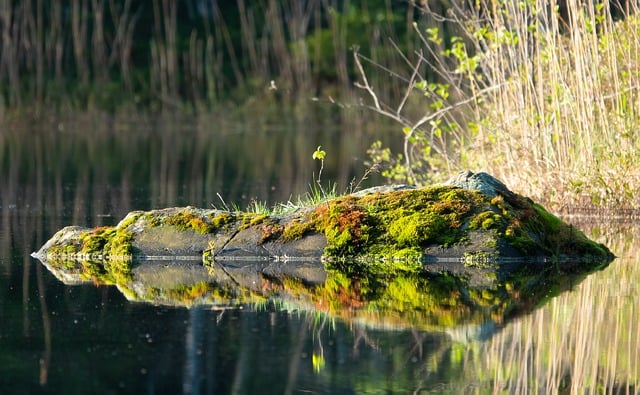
x=90, y=339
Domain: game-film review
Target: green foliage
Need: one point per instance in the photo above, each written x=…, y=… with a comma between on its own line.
x=393, y=167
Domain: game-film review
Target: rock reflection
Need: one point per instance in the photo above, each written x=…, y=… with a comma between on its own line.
x=426, y=301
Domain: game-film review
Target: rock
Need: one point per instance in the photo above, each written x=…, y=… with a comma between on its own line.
x=467, y=249
x=481, y=182
x=383, y=189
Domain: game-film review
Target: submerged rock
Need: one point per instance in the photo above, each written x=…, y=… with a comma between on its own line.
x=470, y=249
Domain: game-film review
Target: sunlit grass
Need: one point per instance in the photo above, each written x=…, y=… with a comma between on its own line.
x=314, y=197
x=548, y=103
x=561, y=123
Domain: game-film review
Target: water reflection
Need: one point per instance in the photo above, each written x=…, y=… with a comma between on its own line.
x=90, y=339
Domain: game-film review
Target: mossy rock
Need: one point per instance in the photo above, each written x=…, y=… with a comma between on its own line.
x=466, y=250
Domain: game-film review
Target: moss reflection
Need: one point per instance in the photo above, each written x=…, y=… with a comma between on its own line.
x=407, y=299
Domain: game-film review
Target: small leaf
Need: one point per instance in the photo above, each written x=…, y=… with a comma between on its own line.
x=319, y=154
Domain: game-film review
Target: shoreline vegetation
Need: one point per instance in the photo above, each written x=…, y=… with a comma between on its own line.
x=545, y=98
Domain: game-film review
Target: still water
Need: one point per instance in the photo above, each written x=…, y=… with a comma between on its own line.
x=89, y=339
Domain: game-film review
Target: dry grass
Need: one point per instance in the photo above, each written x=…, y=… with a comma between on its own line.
x=549, y=104
x=561, y=126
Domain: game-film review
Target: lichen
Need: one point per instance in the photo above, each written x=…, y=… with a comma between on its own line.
x=270, y=230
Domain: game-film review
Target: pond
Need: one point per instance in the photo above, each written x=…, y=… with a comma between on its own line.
x=91, y=171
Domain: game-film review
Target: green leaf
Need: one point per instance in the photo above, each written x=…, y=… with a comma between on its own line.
x=422, y=85
x=319, y=154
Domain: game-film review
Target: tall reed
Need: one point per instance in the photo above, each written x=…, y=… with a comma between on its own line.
x=543, y=96
x=168, y=55
x=561, y=121
x=55, y=49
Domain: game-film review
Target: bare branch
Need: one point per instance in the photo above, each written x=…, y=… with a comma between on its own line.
x=366, y=85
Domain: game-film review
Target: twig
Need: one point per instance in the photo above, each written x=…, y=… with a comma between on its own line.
x=397, y=116
x=366, y=82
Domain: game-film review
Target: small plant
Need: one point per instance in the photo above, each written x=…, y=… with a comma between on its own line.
x=354, y=185
x=319, y=154
x=258, y=207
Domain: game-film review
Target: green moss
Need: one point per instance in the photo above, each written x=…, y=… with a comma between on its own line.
x=93, y=241
x=339, y=292
x=534, y=231
x=565, y=239
x=552, y=223
x=296, y=229
x=248, y=220
x=387, y=234
x=120, y=244
x=93, y=271
x=66, y=249
x=485, y=220
x=414, y=298
x=419, y=293
x=188, y=294
x=130, y=219
x=418, y=229
x=188, y=220
x=104, y=254
x=198, y=293
x=484, y=298
x=395, y=224
x=221, y=219
x=153, y=220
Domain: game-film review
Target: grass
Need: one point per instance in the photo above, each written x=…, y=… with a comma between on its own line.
x=546, y=102
x=314, y=197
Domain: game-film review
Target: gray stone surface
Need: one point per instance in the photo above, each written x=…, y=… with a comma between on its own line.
x=481, y=182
